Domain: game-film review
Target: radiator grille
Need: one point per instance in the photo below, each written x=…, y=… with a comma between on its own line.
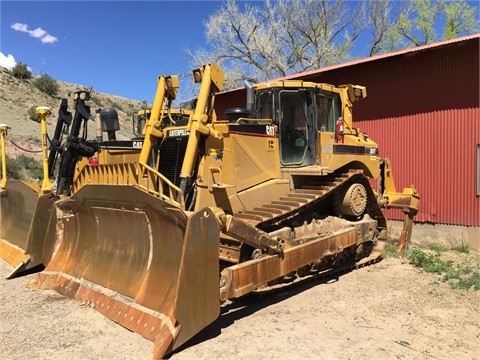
x=172, y=153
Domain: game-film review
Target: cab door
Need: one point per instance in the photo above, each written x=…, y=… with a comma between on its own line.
x=296, y=127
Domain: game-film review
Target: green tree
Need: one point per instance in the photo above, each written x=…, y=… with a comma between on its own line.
x=47, y=85
x=20, y=71
x=382, y=19
x=460, y=18
x=417, y=23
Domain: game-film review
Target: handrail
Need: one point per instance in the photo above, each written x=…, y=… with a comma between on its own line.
x=156, y=183
x=135, y=174
x=264, y=121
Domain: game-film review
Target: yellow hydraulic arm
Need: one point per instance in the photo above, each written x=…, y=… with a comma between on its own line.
x=43, y=112
x=24, y=223
x=211, y=78
x=3, y=131
x=166, y=90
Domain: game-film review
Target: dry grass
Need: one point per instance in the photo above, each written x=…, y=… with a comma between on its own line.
x=18, y=96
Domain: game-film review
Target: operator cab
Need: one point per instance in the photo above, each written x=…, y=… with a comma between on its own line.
x=300, y=114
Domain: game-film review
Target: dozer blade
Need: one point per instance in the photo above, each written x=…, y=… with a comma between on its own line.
x=37, y=235
x=17, y=206
x=139, y=260
x=24, y=217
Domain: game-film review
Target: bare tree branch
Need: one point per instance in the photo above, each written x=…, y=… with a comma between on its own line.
x=276, y=38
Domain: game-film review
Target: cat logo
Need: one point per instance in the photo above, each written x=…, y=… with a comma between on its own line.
x=270, y=130
x=137, y=144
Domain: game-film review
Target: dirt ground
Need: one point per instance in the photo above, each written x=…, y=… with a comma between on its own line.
x=389, y=310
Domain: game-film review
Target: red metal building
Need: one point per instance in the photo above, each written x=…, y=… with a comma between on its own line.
x=423, y=109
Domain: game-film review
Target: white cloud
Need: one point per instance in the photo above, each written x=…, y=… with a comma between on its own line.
x=48, y=39
x=20, y=27
x=38, y=33
x=7, y=61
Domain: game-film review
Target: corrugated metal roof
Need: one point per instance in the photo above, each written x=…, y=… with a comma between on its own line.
x=383, y=56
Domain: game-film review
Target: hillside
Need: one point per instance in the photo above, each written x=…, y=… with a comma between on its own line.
x=18, y=96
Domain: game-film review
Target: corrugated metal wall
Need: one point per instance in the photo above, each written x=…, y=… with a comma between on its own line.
x=423, y=110
x=435, y=153
x=425, y=116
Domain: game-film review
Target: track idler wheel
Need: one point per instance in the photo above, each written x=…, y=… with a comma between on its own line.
x=353, y=201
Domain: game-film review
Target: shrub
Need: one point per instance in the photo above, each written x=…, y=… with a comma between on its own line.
x=47, y=85
x=32, y=167
x=13, y=169
x=32, y=114
x=429, y=263
x=20, y=71
x=460, y=276
x=463, y=248
x=24, y=168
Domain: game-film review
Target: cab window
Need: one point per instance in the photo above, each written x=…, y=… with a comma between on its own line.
x=265, y=106
x=328, y=110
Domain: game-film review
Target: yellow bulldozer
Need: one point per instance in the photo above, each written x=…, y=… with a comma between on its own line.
x=214, y=209
x=26, y=206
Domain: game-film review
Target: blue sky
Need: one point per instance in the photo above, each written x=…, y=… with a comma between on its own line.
x=117, y=47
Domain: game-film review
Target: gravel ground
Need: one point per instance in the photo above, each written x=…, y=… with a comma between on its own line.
x=390, y=310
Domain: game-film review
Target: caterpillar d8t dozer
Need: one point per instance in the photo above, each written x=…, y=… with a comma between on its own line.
x=25, y=207
x=278, y=193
